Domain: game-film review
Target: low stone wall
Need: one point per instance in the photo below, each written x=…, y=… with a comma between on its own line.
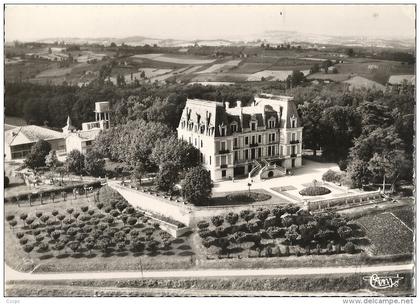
x=154, y=204
x=169, y=227
x=348, y=200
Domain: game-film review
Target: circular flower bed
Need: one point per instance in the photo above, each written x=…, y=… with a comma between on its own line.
x=314, y=191
x=247, y=197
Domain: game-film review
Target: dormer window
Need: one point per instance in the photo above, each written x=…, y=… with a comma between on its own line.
x=293, y=122
x=253, y=126
x=223, y=131
x=271, y=123
x=233, y=127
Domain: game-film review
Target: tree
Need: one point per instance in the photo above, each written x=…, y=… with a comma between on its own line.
x=232, y=218
x=388, y=165
x=311, y=114
x=217, y=221
x=350, y=52
x=349, y=248
x=344, y=232
x=167, y=176
x=139, y=171
x=263, y=214
x=247, y=215
x=36, y=158
x=183, y=154
x=197, y=185
x=291, y=234
x=51, y=160
x=75, y=162
x=295, y=79
x=137, y=245
x=28, y=248
x=94, y=164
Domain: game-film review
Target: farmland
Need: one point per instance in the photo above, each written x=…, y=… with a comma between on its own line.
x=84, y=217
x=387, y=234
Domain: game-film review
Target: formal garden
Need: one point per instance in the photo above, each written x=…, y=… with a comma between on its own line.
x=280, y=231
x=105, y=233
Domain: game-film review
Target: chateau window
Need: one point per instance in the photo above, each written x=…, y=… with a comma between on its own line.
x=223, y=160
x=233, y=128
x=235, y=142
x=183, y=124
x=202, y=128
x=235, y=156
x=223, y=131
x=293, y=122
x=271, y=123
x=195, y=142
x=201, y=143
x=259, y=138
x=253, y=140
x=253, y=126
x=272, y=137
x=246, y=140
x=210, y=160
x=222, y=145
x=246, y=154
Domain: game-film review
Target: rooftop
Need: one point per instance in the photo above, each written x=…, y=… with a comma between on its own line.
x=30, y=134
x=399, y=79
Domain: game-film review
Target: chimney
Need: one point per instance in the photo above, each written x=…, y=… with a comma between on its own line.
x=239, y=104
x=227, y=105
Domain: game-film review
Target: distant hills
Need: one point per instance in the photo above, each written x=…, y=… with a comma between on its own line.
x=272, y=37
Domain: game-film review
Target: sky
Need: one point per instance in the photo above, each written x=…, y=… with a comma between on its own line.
x=33, y=22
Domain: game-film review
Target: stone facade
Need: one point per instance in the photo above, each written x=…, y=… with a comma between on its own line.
x=232, y=139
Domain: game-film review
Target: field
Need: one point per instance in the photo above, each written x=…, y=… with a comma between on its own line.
x=375, y=70
x=228, y=65
x=177, y=255
x=387, y=234
x=177, y=59
x=405, y=214
x=272, y=75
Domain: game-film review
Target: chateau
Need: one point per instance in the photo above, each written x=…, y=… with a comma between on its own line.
x=261, y=140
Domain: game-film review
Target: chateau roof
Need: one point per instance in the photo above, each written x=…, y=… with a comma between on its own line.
x=216, y=115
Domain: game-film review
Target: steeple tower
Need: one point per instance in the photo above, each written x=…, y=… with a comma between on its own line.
x=69, y=127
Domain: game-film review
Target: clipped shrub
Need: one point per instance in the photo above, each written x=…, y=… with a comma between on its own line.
x=314, y=191
x=349, y=247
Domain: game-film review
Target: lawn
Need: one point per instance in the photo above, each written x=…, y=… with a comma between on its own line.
x=387, y=234
x=220, y=198
x=113, y=242
x=405, y=214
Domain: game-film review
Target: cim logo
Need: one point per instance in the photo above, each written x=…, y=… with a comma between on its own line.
x=383, y=282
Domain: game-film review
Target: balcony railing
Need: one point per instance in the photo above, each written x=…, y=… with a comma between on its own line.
x=294, y=141
x=293, y=155
x=253, y=145
x=223, y=166
x=224, y=151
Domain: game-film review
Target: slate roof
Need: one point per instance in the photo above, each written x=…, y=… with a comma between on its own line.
x=214, y=114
